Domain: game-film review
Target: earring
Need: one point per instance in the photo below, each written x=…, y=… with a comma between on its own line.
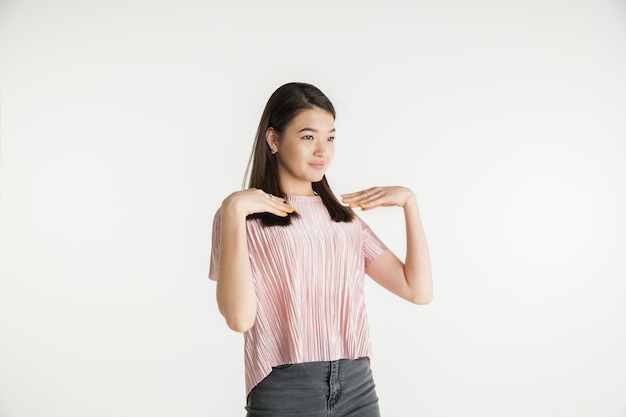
x=273, y=151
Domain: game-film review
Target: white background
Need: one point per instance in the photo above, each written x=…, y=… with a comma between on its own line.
x=125, y=123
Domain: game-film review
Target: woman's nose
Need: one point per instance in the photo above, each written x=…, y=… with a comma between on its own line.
x=319, y=148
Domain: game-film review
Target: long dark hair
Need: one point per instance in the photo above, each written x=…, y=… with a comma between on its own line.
x=283, y=105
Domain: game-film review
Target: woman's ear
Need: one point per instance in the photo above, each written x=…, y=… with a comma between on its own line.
x=271, y=137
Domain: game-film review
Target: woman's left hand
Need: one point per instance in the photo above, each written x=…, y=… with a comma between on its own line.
x=379, y=197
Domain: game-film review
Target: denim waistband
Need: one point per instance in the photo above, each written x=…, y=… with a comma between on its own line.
x=316, y=389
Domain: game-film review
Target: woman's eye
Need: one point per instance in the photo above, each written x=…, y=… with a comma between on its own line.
x=331, y=139
x=307, y=137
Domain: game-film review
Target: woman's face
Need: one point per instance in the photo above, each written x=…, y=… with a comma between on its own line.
x=305, y=149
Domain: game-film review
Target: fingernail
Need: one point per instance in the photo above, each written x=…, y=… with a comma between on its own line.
x=284, y=214
x=291, y=209
x=351, y=204
x=361, y=205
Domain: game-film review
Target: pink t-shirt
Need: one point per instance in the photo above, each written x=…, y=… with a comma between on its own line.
x=309, y=279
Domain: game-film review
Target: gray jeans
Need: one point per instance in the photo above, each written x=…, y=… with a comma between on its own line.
x=339, y=388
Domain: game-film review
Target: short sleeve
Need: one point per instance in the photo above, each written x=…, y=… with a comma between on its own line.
x=372, y=245
x=215, y=246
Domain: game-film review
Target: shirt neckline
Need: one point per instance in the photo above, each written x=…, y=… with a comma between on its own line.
x=293, y=198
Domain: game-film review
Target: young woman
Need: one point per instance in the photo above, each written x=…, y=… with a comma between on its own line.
x=290, y=261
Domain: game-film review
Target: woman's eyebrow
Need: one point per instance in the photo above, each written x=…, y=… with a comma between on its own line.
x=313, y=130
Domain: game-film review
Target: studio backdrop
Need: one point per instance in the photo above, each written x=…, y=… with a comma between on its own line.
x=124, y=124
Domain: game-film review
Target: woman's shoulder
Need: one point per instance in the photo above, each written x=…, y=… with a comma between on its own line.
x=217, y=213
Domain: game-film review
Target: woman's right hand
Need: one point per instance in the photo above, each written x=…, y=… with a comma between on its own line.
x=254, y=200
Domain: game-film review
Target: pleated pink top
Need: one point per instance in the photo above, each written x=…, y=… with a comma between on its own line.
x=309, y=279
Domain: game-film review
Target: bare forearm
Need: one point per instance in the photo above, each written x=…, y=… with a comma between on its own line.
x=417, y=266
x=236, y=294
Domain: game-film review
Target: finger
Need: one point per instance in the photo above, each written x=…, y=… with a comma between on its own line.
x=350, y=195
x=280, y=205
x=353, y=194
x=275, y=199
x=278, y=210
x=274, y=204
x=353, y=199
x=372, y=199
